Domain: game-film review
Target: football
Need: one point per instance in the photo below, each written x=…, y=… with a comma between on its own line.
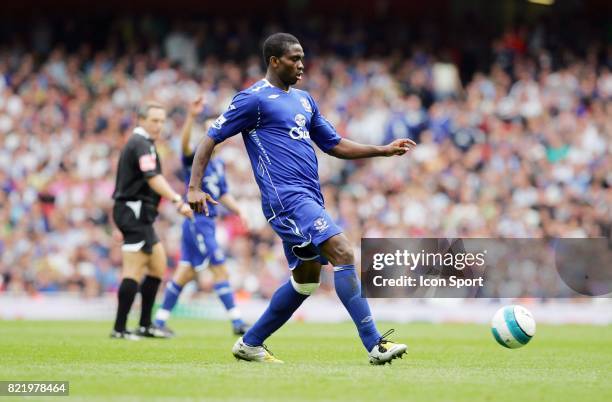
x=513, y=326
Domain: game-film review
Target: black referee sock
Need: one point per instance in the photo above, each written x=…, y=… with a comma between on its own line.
x=148, y=291
x=126, y=294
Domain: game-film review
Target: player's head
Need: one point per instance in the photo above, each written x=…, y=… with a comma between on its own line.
x=151, y=117
x=284, y=57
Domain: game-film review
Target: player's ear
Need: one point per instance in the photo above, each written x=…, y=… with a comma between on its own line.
x=274, y=61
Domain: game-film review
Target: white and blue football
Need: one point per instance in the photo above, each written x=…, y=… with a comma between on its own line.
x=513, y=326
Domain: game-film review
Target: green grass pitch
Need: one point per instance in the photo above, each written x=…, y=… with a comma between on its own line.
x=445, y=362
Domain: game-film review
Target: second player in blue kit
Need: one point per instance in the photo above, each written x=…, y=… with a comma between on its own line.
x=279, y=125
x=199, y=248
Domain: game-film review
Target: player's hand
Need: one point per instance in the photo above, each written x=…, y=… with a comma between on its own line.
x=196, y=106
x=185, y=210
x=198, y=199
x=399, y=147
x=244, y=220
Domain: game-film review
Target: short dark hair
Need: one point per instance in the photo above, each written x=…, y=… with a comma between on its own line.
x=143, y=110
x=277, y=44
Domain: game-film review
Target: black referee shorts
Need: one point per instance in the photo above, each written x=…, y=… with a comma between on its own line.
x=135, y=221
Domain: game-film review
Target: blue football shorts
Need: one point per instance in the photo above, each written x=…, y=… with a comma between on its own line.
x=303, y=228
x=199, y=246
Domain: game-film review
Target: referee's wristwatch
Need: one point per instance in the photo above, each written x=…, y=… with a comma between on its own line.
x=177, y=200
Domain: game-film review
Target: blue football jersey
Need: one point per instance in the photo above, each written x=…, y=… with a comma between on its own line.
x=278, y=128
x=213, y=182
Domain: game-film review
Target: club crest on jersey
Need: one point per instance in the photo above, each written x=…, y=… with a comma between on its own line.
x=306, y=104
x=299, y=132
x=320, y=224
x=300, y=120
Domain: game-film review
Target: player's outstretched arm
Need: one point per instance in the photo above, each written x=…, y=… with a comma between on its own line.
x=347, y=149
x=195, y=108
x=195, y=196
x=160, y=185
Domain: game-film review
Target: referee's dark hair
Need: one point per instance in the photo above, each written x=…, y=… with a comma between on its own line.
x=277, y=44
x=143, y=110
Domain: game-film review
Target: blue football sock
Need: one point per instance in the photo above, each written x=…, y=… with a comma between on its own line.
x=225, y=293
x=348, y=289
x=283, y=304
x=173, y=290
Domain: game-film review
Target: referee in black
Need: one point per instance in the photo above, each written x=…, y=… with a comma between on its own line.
x=138, y=191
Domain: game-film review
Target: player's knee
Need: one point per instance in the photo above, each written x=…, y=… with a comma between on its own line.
x=219, y=273
x=338, y=250
x=183, y=274
x=180, y=280
x=342, y=254
x=305, y=289
x=132, y=271
x=158, y=262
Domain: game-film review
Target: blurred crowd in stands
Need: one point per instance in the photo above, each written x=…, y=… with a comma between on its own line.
x=520, y=147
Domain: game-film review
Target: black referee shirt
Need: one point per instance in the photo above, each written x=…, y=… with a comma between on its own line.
x=138, y=162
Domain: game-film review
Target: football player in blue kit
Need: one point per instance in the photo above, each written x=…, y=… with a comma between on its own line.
x=280, y=125
x=199, y=248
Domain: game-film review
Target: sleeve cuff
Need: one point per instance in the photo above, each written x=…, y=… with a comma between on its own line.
x=332, y=144
x=214, y=137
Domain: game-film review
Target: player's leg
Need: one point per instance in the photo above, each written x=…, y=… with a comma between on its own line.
x=148, y=289
x=224, y=291
x=133, y=265
x=206, y=249
x=184, y=274
x=192, y=256
x=285, y=301
x=339, y=252
x=287, y=298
